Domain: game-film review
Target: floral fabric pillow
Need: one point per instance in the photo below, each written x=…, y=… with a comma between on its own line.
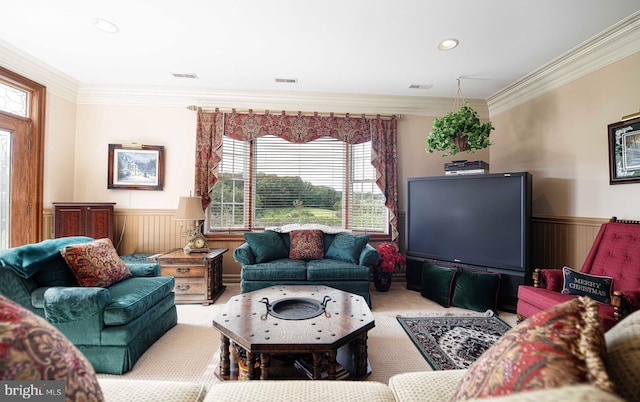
x=560, y=346
x=34, y=350
x=306, y=245
x=95, y=264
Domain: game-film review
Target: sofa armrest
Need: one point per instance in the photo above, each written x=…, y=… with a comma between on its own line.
x=576, y=392
x=244, y=255
x=62, y=304
x=426, y=386
x=442, y=385
x=151, y=269
x=141, y=264
x=122, y=389
x=369, y=256
x=624, y=303
x=546, y=278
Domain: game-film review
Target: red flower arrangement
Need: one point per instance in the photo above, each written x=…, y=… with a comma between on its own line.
x=390, y=259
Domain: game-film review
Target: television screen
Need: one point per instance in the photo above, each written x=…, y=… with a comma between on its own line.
x=479, y=220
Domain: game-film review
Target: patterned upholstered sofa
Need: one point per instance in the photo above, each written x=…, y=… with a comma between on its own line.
x=306, y=257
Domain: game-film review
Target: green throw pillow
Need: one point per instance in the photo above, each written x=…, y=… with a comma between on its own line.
x=437, y=283
x=266, y=246
x=347, y=247
x=476, y=291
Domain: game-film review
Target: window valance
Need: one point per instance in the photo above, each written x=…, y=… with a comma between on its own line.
x=298, y=128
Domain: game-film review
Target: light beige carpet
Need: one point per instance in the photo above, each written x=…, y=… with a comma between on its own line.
x=189, y=351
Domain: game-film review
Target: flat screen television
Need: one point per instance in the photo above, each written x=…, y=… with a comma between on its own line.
x=479, y=220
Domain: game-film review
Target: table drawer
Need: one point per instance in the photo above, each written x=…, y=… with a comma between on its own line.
x=182, y=271
x=189, y=287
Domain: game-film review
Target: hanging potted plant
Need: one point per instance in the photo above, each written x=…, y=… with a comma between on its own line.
x=459, y=131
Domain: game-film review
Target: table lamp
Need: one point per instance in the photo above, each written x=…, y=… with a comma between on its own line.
x=190, y=209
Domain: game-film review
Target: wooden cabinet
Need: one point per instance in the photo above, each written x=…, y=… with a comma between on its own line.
x=91, y=219
x=198, y=275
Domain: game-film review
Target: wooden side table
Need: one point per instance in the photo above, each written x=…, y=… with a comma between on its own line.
x=198, y=275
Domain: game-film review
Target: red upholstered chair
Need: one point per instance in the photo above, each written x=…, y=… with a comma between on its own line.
x=615, y=253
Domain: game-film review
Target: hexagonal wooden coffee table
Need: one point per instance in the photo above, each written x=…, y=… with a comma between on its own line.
x=340, y=326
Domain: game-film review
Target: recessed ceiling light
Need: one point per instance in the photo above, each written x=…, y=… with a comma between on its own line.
x=448, y=44
x=420, y=86
x=104, y=25
x=192, y=76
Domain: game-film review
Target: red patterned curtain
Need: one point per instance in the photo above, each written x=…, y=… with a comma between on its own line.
x=208, y=152
x=384, y=156
x=298, y=129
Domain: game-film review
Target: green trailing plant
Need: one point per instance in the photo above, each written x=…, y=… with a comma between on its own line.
x=459, y=131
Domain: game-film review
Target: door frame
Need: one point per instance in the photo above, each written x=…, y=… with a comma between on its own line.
x=32, y=195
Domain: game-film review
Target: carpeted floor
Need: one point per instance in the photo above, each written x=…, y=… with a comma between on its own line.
x=189, y=351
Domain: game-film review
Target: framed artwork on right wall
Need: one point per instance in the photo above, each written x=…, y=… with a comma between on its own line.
x=624, y=151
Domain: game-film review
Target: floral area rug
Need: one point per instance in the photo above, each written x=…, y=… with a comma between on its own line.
x=453, y=342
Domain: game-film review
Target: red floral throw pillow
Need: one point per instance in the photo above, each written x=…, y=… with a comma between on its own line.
x=32, y=349
x=560, y=346
x=306, y=245
x=95, y=264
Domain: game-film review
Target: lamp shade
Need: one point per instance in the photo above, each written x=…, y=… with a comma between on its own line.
x=190, y=208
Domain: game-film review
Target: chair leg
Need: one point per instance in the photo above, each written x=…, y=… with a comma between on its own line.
x=617, y=301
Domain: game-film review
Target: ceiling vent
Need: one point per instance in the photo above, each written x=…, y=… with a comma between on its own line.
x=287, y=80
x=420, y=86
x=185, y=75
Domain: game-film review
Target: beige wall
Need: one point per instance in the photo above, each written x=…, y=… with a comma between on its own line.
x=174, y=128
x=414, y=161
x=101, y=125
x=561, y=138
x=59, y=150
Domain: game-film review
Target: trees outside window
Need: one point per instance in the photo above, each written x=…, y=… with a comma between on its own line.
x=272, y=182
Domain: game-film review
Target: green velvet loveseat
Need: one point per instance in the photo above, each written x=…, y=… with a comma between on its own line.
x=112, y=325
x=340, y=260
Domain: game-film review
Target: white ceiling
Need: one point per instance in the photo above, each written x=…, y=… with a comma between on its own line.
x=334, y=46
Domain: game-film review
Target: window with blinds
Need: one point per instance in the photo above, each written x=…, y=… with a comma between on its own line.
x=325, y=181
x=228, y=209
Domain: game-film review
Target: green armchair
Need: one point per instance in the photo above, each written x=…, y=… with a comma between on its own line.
x=111, y=326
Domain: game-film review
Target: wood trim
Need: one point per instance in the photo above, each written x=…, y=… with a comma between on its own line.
x=570, y=220
x=562, y=240
x=33, y=196
x=556, y=241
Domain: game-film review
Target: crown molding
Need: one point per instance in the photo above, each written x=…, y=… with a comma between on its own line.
x=22, y=63
x=614, y=44
x=273, y=100
x=611, y=45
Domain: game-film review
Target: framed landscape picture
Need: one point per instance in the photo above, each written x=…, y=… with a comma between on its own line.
x=136, y=167
x=624, y=151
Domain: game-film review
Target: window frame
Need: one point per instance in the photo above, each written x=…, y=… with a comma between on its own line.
x=383, y=234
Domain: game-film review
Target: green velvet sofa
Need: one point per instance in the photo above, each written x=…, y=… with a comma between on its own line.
x=345, y=264
x=111, y=326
